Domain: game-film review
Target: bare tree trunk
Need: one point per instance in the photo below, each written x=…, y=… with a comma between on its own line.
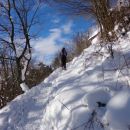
x=105, y=21
x=18, y=69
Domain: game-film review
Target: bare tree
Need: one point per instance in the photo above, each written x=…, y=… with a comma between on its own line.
x=102, y=13
x=98, y=9
x=17, y=19
x=81, y=41
x=57, y=61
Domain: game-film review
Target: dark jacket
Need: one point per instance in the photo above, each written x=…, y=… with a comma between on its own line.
x=63, y=57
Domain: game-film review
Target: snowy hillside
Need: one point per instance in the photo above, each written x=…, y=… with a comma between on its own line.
x=93, y=93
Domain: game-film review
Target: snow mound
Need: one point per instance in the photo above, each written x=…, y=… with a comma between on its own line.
x=117, y=116
x=98, y=95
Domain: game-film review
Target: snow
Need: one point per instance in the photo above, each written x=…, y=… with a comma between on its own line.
x=118, y=109
x=116, y=27
x=24, y=87
x=123, y=3
x=100, y=94
x=110, y=33
x=68, y=99
x=94, y=30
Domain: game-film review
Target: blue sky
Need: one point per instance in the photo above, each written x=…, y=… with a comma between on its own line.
x=55, y=30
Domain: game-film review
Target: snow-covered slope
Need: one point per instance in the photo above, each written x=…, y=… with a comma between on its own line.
x=69, y=100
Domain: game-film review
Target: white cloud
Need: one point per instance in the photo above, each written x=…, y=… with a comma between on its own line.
x=67, y=27
x=55, y=20
x=44, y=48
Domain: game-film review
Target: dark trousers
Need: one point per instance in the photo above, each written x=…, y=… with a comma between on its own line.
x=63, y=61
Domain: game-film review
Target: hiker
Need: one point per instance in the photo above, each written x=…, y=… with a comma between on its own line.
x=63, y=58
